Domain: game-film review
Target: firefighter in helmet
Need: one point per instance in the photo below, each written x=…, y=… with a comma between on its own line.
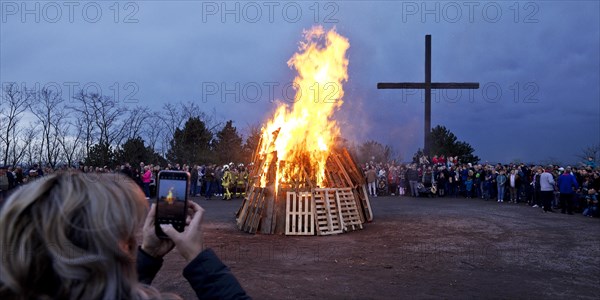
x=226, y=181
x=242, y=181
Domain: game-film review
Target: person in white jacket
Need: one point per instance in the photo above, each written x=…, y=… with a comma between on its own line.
x=547, y=189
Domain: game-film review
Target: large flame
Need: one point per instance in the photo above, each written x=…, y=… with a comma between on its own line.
x=170, y=197
x=302, y=136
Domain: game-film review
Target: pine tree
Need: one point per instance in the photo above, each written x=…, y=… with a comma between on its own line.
x=191, y=145
x=228, y=145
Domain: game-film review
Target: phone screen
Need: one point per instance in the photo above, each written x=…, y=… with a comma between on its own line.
x=171, y=200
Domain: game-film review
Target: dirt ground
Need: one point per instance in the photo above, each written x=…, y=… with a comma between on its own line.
x=414, y=249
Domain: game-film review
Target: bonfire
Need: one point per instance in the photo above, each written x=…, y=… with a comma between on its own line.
x=303, y=182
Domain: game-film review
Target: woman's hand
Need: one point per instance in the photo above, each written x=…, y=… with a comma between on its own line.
x=151, y=244
x=190, y=242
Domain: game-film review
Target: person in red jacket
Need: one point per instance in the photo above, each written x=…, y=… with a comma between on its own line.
x=146, y=179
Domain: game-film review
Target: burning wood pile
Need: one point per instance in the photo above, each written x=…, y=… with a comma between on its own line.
x=301, y=182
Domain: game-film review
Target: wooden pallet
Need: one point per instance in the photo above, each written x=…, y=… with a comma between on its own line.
x=348, y=210
x=250, y=214
x=366, y=204
x=327, y=213
x=299, y=214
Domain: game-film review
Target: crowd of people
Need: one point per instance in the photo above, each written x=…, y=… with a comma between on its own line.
x=435, y=177
x=570, y=189
x=208, y=181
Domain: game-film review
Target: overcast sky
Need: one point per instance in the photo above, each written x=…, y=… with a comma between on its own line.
x=538, y=63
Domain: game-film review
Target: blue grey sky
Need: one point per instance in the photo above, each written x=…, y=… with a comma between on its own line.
x=538, y=63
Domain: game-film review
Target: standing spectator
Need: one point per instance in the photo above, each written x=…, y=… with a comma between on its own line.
x=487, y=185
x=392, y=180
x=146, y=178
x=428, y=180
x=11, y=178
x=3, y=184
x=442, y=181
x=371, y=181
x=402, y=179
x=536, y=198
x=19, y=176
x=547, y=189
x=513, y=187
x=566, y=185
x=193, y=181
x=469, y=187
x=501, y=182
x=412, y=175
x=209, y=177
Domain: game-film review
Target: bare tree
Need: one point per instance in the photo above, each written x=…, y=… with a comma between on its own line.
x=26, y=147
x=172, y=118
x=84, y=116
x=13, y=106
x=154, y=131
x=48, y=109
x=590, y=151
x=107, y=115
x=136, y=121
x=70, y=138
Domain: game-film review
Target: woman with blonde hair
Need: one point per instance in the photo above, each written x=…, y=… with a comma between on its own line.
x=73, y=236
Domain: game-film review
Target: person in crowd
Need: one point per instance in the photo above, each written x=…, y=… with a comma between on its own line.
x=392, y=180
x=80, y=236
x=590, y=163
x=469, y=187
x=4, y=184
x=547, y=189
x=567, y=184
x=591, y=209
x=146, y=179
x=536, y=197
x=402, y=181
x=513, y=185
x=19, y=176
x=412, y=175
x=371, y=181
x=10, y=175
x=193, y=181
x=242, y=181
x=501, y=182
x=210, y=181
x=487, y=184
x=428, y=179
x=227, y=181
x=441, y=178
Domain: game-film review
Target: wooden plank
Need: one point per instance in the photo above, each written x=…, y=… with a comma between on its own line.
x=251, y=223
x=278, y=223
x=342, y=170
x=249, y=209
x=269, y=208
x=256, y=218
x=367, y=204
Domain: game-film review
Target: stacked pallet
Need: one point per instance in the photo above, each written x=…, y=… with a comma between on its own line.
x=298, y=207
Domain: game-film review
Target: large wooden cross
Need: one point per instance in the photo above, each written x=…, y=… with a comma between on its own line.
x=427, y=86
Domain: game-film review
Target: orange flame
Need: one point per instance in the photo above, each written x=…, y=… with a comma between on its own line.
x=170, y=197
x=302, y=135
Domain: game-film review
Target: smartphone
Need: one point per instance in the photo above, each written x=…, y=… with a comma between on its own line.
x=171, y=200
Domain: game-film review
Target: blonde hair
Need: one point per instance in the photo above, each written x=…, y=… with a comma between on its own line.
x=64, y=237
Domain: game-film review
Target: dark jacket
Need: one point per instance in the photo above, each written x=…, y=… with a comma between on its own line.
x=207, y=275
x=412, y=175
